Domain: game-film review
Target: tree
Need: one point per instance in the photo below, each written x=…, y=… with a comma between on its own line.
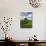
x=25, y=19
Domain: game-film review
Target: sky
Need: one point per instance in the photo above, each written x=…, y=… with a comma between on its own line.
x=27, y=15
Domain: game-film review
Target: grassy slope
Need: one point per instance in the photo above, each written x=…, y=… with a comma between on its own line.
x=26, y=23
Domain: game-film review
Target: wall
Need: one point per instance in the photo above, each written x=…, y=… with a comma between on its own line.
x=45, y=28
x=12, y=8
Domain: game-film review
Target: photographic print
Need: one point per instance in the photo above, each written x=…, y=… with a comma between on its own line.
x=26, y=20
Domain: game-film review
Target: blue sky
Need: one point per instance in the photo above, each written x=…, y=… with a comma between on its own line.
x=27, y=15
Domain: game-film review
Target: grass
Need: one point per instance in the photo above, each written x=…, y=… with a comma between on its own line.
x=26, y=23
